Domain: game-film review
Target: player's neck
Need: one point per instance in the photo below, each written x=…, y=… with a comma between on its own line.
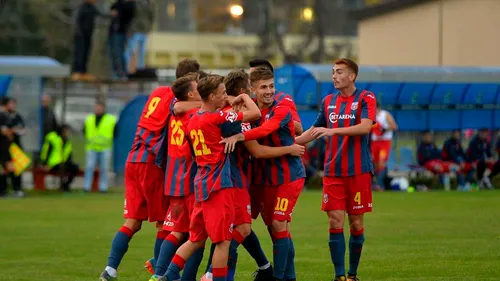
x=348, y=91
x=207, y=107
x=263, y=105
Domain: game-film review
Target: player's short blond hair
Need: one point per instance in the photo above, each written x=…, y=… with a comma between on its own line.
x=209, y=85
x=261, y=73
x=235, y=80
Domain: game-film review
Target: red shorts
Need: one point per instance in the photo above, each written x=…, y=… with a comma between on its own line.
x=144, y=197
x=179, y=213
x=242, y=209
x=439, y=166
x=352, y=194
x=279, y=201
x=256, y=193
x=213, y=218
x=380, y=151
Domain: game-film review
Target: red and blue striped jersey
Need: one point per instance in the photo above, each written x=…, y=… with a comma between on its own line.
x=180, y=165
x=286, y=99
x=150, y=129
x=347, y=155
x=205, y=131
x=275, y=128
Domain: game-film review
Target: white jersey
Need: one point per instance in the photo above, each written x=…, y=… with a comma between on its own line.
x=382, y=121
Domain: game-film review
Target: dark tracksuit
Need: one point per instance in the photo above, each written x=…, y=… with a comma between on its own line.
x=16, y=120
x=496, y=168
x=453, y=152
x=427, y=152
x=4, y=153
x=118, y=29
x=479, y=150
x=84, y=28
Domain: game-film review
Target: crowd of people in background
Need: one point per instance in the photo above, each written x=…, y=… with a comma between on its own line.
x=130, y=22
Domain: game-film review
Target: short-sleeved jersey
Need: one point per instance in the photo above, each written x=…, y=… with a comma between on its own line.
x=287, y=100
x=150, y=129
x=205, y=131
x=347, y=155
x=180, y=165
x=275, y=128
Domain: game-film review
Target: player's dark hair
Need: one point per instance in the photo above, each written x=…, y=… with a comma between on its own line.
x=483, y=130
x=202, y=74
x=350, y=64
x=6, y=100
x=235, y=80
x=185, y=66
x=424, y=132
x=100, y=102
x=182, y=86
x=208, y=85
x=261, y=63
x=261, y=73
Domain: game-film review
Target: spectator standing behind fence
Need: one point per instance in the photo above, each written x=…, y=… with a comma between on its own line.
x=16, y=124
x=99, y=130
x=84, y=28
x=5, y=139
x=118, y=29
x=49, y=120
x=56, y=156
x=140, y=27
x=479, y=152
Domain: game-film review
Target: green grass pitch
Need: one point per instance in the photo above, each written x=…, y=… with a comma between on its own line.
x=409, y=236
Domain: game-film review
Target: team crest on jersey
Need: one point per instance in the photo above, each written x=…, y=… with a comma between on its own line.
x=325, y=198
x=249, y=209
x=231, y=116
x=354, y=105
x=267, y=116
x=231, y=227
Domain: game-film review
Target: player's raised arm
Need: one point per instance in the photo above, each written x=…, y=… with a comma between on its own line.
x=182, y=107
x=298, y=128
x=320, y=121
x=306, y=137
x=250, y=110
x=262, y=151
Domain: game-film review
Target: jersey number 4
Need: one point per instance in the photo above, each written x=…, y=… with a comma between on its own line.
x=152, y=106
x=199, y=146
x=177, y=137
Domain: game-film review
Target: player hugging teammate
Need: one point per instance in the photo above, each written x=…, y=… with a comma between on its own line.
x=195, y=186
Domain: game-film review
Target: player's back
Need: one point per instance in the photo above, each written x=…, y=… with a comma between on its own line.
x=180, y=164
x=284, y=169
x=205, y=131
x=348, y=155
x=150, y=129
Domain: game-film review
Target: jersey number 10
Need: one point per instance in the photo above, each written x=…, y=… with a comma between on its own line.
x=199, y=140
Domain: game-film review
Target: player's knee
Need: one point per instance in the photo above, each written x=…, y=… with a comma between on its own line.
x=336, y=219
x=278, y=226
x=356, y=222
x=244, y=229
x=134, y=225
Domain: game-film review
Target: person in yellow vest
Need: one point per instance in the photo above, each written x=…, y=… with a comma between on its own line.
x=99, y=131
x=56, y=156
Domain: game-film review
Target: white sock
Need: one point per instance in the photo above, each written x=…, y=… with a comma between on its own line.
x=209, y=275
x=111, y=271
x=264, y=267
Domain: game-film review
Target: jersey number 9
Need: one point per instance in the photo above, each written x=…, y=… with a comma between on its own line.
x=152, y=106
x=199, y=140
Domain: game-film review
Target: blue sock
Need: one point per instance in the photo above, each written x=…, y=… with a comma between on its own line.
x=167, y=252
x=337, y=251
x=210, y=256
x=281, y=247
x=175, y=267
x=192, y=265
x=252, y=245
x=355, y=248
x=290, y=263
x=381, y=177
x=160, y=236
x=119, y=246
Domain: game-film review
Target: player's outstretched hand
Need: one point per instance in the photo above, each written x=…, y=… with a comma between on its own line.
x=238, y=101
x=322, y=132
x=297, y=150
x=230, y=143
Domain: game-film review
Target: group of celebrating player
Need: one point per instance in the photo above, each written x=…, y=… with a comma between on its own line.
x=207, y=159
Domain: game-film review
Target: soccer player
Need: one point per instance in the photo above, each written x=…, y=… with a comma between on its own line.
x=280, y=96
x=345, y=119
x=280, y=183
x=213, y=213
x=381, y=139
x=479, y=152
x=144, y=180
x=453, y=152
x=237, y=83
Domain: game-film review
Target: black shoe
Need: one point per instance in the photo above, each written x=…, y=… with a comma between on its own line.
x=352, y=278
x=264, y=275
